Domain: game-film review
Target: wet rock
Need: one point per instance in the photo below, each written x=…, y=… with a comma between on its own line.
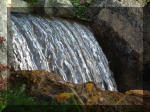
x=120, y=33
x=61, y=8
x=118, y=26
x=51, y=85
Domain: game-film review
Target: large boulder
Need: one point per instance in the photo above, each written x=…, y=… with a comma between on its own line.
x=61, y=8
x=119, y=30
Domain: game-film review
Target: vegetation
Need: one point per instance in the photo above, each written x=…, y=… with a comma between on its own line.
x=63, y=102
x=147, y=1
x=80, y=8
x=15, y=97
x=18, y=97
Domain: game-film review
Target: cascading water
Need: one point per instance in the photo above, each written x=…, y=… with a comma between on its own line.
x=56, y=45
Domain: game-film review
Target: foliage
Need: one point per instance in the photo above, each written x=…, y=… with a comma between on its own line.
x=63, y=102
x=15, y=97
x=80, y=10
x=3, y=72
x=147, y=1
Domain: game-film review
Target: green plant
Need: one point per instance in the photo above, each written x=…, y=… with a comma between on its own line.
x=147, y=1
x=80, y=10
x=17, y=97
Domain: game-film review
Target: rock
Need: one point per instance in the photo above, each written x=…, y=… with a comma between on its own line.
x=42, y=83
x=120, y=33
x=3, y=37
x=20, y=6
x=118, y=26
x=146, y=34
x=118, y=3
x=97, y=5
x=61, y=8
x=39, y=82
x=146, y=45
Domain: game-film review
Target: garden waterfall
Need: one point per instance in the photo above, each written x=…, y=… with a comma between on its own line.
x=60, y=46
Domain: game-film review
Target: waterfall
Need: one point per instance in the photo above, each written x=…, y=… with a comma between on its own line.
x=60, y=46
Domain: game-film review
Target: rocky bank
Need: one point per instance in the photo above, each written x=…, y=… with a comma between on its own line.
x=42, y=83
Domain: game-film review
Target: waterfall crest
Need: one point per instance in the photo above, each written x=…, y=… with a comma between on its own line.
x=56, y=45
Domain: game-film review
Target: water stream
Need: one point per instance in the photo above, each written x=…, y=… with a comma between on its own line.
x=60, y=46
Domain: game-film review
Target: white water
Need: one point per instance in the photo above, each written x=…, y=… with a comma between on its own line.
x=66, y=48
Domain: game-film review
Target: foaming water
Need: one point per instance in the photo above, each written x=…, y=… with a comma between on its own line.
x=66, y=48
